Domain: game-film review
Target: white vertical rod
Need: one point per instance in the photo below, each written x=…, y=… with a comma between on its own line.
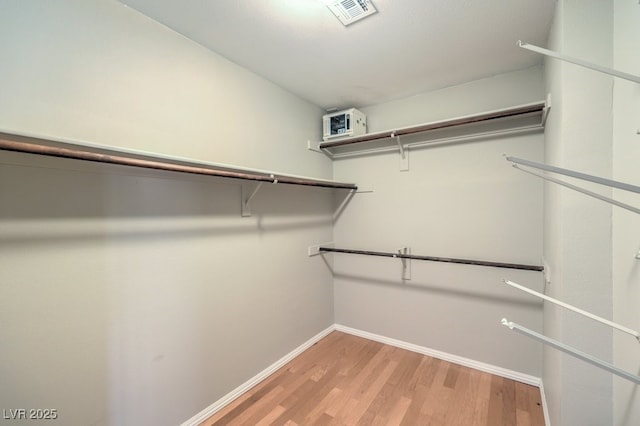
x=582, y=190
x=580, y=62
x=571, y=351
x=577, y=175
x=574, y=309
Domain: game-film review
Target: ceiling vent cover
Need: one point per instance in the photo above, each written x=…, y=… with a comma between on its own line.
x=350, y=11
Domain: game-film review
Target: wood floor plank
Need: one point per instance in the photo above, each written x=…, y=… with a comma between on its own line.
x=394, y=389
x=359, y=383
x=245, y=405
x=495, y=401
x=522, y=396
x=413, y=413
x=348, y=380
x=535, y=406
x=508, y=403
x=398, y=412
x=436, y=401
x=322, y=389
x=367, y=395
x=483, y=395
x=260, y=408
x=463, y=399
x=271, y=416
x=523, y=418
x=318, y=411
x=323, y=420
x=452, y=376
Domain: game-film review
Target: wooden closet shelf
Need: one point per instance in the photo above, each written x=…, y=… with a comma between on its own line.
x=103, y=154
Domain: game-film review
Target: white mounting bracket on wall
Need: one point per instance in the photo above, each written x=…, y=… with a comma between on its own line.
x=404, y=154
x=546, y=273
x=545, y=110
x=315, y=250
x=406, y=263
x=314, y=146
x=248, y=192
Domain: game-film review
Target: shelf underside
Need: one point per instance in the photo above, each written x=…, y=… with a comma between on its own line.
x=524, y=118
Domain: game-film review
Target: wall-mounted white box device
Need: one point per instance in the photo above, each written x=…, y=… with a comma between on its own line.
x=342, y=124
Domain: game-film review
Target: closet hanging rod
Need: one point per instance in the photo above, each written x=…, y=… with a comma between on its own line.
x=578, y=189
x=580, y=62
x=434, y=259
x=158, y=164
x=575, y=309
x=577, y=175
x=470, y=119
x=571, y=351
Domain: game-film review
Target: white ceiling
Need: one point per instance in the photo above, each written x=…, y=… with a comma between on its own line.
x=408, y=47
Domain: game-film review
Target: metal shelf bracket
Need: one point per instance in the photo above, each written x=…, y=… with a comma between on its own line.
x=406, y=262
x=404, y=154
x=314, y=146
x=248, y=192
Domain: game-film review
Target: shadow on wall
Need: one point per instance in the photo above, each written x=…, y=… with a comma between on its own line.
x=159, y=232
x=58, y=201
x=37, y=187
x=436, y=289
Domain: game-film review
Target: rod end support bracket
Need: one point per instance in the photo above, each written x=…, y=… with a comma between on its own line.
x=507, y=323
x=315, y=250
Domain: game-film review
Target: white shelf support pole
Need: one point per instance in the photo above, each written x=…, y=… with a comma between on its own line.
x=247, y=195
x=575, y=174
x=579, y=189
x=575, y=309
x=580, y=62
x=571, y=351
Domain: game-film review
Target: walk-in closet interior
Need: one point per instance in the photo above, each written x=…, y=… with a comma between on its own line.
x=178, y=231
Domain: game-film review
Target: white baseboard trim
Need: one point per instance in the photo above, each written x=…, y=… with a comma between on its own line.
x=466, y=362
x=231, y=396
x=545, y=407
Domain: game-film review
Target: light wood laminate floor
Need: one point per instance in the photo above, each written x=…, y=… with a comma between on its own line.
x=348, y=380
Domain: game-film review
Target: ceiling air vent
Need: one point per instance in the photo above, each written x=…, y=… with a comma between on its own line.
x=350, y=11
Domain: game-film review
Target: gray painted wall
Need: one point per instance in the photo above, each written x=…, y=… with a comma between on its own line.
x=132, y=297
x=457, y=200
x=578, y=228
x=626, y=225
x=589, y=245
x=552, y=359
